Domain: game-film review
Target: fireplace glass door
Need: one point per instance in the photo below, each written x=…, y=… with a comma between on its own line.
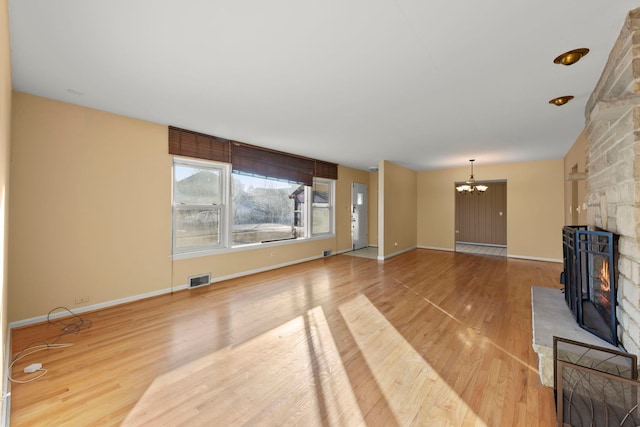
x=596, y=264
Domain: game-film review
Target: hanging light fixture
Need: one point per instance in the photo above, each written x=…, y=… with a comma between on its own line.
x=470, y=186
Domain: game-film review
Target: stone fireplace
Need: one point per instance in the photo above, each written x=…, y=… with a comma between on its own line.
x=613, y=170
x=612, y=174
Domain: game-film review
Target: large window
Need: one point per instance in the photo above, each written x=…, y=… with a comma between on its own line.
x=258, y=210
x=266, y=210
x=198, y=205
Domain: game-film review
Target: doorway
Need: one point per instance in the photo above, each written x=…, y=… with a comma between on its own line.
x=481, y=220
x=359, y=215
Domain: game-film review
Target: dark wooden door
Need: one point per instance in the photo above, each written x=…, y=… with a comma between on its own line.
x=483, y=218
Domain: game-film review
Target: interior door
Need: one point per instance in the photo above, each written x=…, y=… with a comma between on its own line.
x=359, y=215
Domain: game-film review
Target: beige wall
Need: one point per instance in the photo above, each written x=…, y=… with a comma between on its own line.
x=5, y=121
x=577, y=155
x=91, y=217
x=240, y=262
x=91, y=202
x=535, y=197
x=398, y=187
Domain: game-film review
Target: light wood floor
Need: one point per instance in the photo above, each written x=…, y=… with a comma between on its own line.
x=427, y=338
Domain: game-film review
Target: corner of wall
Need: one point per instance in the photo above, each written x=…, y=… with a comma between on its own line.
x=5, y=138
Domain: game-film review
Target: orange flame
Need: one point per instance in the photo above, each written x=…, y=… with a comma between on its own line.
x=605, y=286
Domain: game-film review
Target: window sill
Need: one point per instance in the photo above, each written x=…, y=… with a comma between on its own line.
x=247, y=247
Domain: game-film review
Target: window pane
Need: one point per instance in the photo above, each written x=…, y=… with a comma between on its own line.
x=266, y=210
x=197, y=186
x=196, y=227
x=322, y=212
x=321, y=193
x=321, y=220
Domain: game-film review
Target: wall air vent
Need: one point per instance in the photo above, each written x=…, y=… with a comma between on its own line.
x=326, y=253
x=201, y=280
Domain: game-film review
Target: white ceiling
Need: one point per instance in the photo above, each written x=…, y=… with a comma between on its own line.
x=425, y=84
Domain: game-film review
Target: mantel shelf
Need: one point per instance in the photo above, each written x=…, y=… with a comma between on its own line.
x=613, y=109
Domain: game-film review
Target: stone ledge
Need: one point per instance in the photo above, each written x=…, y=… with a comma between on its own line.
x=613, y=109
x=551, y=317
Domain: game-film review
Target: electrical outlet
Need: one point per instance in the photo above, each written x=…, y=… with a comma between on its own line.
x=82, y=300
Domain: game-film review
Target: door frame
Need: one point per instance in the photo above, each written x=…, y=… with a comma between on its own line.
x=362, y=217
x=456, y=212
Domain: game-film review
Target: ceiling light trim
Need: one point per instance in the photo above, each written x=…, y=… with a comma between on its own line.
x=571, y=57
x=561, y=100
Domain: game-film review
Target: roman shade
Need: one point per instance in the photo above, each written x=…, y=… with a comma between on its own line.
x=250, y=159
x=260, y=161
x=198, y=145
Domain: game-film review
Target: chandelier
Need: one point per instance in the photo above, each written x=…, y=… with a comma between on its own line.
x=470, y=186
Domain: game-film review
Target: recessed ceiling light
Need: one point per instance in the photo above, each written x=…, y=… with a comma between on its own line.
x=571, y=57
x=561, y=100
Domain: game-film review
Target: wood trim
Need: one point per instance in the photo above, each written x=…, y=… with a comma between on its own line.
x=198, y=145
x=483, y=218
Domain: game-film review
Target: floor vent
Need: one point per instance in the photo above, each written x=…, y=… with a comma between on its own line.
x=326, y=253
x=203, y=279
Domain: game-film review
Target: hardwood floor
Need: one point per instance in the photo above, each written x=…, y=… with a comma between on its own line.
x=426, y=338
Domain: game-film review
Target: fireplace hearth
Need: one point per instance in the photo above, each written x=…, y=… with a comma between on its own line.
x=590, y=259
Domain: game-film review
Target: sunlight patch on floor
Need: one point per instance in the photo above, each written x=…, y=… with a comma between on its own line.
x=415, y=393
x=290, y=375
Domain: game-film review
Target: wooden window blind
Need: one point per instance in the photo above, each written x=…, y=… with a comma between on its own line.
x=198, y=145
x=325, y=170
x=261, y=161
x=249, y=159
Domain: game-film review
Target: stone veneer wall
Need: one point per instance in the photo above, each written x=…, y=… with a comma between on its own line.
x=613, y=169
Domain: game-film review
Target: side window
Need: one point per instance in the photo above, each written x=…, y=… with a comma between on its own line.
x=198, y=205
x=322, y=207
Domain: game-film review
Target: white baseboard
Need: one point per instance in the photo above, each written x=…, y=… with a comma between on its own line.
x=396, y=253
x=5, y=415
x=533, y=258
x=44, y=318
x=435, y=248
x=263, y=269
x=342, y=251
